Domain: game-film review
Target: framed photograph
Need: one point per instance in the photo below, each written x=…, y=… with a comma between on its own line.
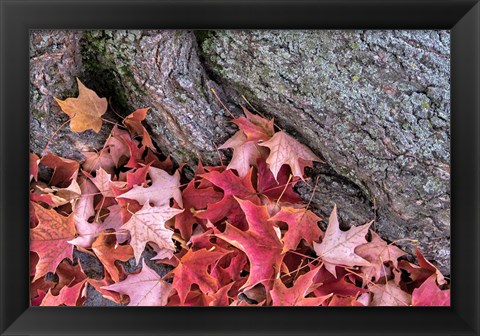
x=201, y=167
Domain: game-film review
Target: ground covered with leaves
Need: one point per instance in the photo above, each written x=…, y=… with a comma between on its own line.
x=235, y=235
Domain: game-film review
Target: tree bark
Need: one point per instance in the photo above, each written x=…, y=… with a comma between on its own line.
x=374, y=104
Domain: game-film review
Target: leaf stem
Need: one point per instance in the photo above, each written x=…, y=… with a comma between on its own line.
x=54, y=134
x=223, y=105
x=284, y=189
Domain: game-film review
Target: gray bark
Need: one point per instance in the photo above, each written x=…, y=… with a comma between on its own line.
x=374, y=104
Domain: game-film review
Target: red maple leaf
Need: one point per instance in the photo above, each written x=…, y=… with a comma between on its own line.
x=68, y=275
x=195, y=298
x=344, y=301
x=232, y=186
x=260, y=243
x=65, y=171
x=137, y=177
x=194, y=199
x=220, y=297
x=429, y=294
x=297, y=294
x=273, y=188
x=34, y=161
x=49, y=239
x=67, y=296
x=134, y=124
x=426, y=265
x=193, y=269
x=302, y=224
x=254, y=127
x=343, y=284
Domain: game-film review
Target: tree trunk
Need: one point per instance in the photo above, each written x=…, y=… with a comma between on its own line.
x=374, y=104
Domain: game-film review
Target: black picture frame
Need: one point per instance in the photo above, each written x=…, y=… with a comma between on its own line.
x=17, y=17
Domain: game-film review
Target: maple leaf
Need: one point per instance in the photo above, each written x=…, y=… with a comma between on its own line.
x=428, y=294
x=136, y=153
x=421, y=272
x=389, y=294
x=302, y=224
x=116, y=144
x=337, y=284
x=34, y=161
x=114, y=221
x=260, y=243
x=49, y=239
x=137, y=176
x=152, y=159
x=164, y=186
x=83, y=210
x=284, y=149
x=134, y=124
x=85, y=111
x=67, y=296
x=297, y=294
x=127, y=206
x=194, y=199
x=108, y=252
x=276, y=188
x=68, y=275
x=37, y=300
x=195, y=298
x=60, y=196
x=230, y=267
x=148, y=225
x=232, y=186
x=146, y=288
x=192, y=269
x=33, y=256
x=426, y=265
x=245, y=153
x=96, y=160
x=65, y=171
x=378, y=251
x=109, y=294
x=342, y=301
x=338, y=247
x=37, y=198
x=220, y=297
x=254, y=127
x=103, y=182
x=240, y=265
x=40, y=286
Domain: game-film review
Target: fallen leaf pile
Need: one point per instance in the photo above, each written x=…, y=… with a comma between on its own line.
x=238, y=235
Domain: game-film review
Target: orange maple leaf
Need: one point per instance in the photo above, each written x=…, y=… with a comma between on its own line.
x=85, y=111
